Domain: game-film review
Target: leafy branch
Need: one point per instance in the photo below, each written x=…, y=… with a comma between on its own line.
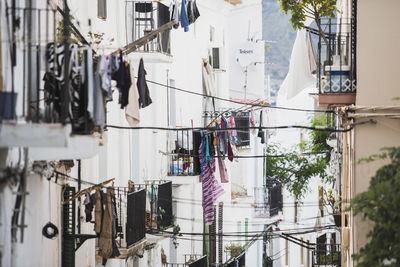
x=295, y=171
x=381, y=205
x=314, y=9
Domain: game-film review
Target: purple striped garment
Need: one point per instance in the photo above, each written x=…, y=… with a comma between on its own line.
x=211, y=188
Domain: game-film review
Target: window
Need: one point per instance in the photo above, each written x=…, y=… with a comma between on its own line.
x=102, y=9
x=242, y=120
x=216, y=58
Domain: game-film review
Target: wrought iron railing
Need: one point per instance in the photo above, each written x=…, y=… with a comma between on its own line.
x=326, y=255
x=131, y=215
x=261, y=204
x=143, y=17
x=337, y=57
x=267, y=200
x=191, y=260
x=183, y=159
x=36, y=84
x=29, y=30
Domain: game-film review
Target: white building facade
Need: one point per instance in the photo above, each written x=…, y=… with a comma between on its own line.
x=42, y=155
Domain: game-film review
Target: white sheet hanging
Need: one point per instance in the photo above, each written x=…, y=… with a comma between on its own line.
x=299, y=76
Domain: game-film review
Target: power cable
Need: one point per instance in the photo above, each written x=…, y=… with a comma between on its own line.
x=238, y=102
x=251, y=156
x=314, y=128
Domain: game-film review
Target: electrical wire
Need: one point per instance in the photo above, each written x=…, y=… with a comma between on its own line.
x=237, y=102
x=293, y=231
x=251, y=156
x=196, y=202
x=316, y=128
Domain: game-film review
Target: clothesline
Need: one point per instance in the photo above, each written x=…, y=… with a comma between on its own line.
x=321, y=128
x=252, y=156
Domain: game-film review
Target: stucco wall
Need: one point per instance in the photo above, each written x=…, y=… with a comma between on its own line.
x=378, y=57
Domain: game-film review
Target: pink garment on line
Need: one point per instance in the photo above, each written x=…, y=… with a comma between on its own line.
x=252, y=123
x=211, y=188
x=223, y=172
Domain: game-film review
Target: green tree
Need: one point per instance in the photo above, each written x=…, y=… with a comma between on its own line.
x=314, y=9
x=294, y=171
x=381, y=205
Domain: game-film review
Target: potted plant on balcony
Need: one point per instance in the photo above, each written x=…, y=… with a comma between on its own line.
x=234, y=249
x=330, y=200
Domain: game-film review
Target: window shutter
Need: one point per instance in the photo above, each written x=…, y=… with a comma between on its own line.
x=215, y=57
x=102, y=9
x=68, y=229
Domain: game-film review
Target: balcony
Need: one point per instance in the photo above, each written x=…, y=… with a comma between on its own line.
x=159, y=215
x=261, y=204
x=191, y=261
x=275, y=199
x=326, y=255
x=36, y=110
x=143, y=18
x=267, y=200
x=131, y=228
x=183, y=159
x=337, y=63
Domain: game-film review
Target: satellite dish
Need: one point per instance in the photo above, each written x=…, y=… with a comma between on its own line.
x=246, y=54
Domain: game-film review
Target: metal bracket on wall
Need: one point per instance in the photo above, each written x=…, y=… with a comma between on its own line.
x=81, y=238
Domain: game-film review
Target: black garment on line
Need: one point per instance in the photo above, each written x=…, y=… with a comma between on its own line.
x=163, y=18
x=124, y=82
x=193, y=12
x=89, y=207
x=260, y=131
x=144, y=94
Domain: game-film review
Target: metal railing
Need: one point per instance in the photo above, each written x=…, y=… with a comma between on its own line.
x=38, y=87
x=267, y=200
x=143, y=17
x=275, y=199
x=326, y=255
x=131, y=215
x=183, y=159
x=261, y=204
x=337, y=57
x=191, y=260
x=29, y=30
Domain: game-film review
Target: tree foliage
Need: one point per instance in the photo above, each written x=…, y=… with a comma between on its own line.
x=295, y=171
x=314, y=9
x=381, y=205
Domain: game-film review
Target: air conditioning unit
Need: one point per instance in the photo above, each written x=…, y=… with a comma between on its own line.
x=216, y=58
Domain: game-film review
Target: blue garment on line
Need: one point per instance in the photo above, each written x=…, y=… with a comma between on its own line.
x=184, y=16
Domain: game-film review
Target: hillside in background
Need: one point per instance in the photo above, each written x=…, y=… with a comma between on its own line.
x=276, y=28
